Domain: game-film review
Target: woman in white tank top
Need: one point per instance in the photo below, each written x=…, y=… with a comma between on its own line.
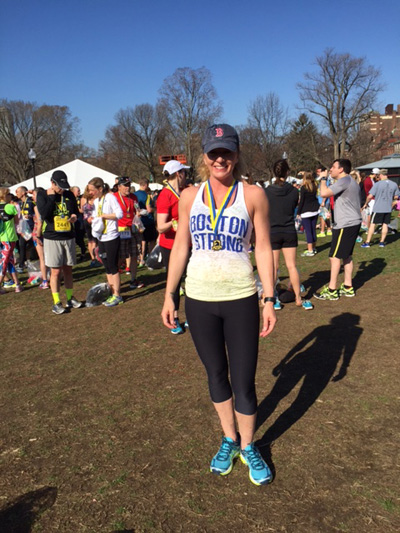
x=222, y=308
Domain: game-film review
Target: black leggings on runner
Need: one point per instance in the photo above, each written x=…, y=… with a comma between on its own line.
x=109, y=254
x=233, y=327
x=165, y=253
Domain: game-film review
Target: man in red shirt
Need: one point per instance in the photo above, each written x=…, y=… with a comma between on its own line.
x=129, y=233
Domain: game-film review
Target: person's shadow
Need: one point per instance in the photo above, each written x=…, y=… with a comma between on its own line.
x=20, y=515
x=314, y=360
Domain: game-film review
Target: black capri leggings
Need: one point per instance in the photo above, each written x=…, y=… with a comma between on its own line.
x=165, y=253
x=223, y=331
x=109, y=254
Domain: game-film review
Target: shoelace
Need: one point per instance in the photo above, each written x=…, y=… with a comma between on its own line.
x=224, y=451
x=255, y=460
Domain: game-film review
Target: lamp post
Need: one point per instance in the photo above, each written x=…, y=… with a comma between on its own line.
x=32, y=157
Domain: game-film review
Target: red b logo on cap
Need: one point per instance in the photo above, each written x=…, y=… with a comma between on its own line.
x=219, y=132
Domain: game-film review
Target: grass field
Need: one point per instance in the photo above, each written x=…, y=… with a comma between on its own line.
x=107, y=426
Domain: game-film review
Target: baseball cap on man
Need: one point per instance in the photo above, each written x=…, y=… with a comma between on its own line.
x=173, y=166
x=59, y=177
x=124, y=180
x=220, y=136
x=375, y=170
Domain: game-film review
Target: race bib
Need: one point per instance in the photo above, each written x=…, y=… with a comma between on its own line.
x=61, y=224
x=125, y=233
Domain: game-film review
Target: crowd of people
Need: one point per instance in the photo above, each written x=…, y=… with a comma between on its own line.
x=206, y=234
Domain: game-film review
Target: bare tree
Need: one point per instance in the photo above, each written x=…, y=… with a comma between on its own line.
x=50, y=130
x=190, y=104
x=264, y=136
x=135, y=138
x=342, y=92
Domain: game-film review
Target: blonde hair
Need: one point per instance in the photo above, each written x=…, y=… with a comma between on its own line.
x=309, y=182
x=204, y=172
x=355, y=175
x=3, y=193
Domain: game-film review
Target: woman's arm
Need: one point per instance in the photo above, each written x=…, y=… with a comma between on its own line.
x=257, y=201
x=179, y=256
x=163, y=224
x=114, y=207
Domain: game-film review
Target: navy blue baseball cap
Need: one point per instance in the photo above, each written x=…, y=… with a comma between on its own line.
x=220, y=136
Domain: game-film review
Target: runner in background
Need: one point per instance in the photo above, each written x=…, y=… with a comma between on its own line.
x=146, y=204
x=79, y=228
x=38, y=242
x=167, y=221
x=87, y=206
x=8, y=239
x=59, y=212
x=130, y=236
x=107, y=212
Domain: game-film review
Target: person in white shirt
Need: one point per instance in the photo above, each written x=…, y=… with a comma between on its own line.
x=107, y=212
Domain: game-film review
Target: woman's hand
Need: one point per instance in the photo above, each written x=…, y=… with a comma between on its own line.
x=168, y=311
x=269, y=319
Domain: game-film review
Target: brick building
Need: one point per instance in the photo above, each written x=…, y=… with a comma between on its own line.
x=385, y=131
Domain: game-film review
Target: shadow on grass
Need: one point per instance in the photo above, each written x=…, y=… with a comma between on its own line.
x=19, y=516
x=368, y=270
x=314, y=360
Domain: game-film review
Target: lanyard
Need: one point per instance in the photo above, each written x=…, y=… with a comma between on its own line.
x=216, y=214
x=123, y=201
x=100, y=208
x=168, y=186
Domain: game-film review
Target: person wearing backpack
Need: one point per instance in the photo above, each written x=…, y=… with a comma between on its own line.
x=8, y=239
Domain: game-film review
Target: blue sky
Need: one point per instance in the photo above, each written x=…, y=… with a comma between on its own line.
x=99, y=56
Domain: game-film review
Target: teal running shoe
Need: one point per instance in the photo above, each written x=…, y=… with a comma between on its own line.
x=177, y=330
x=222, y=462
x=259, y=471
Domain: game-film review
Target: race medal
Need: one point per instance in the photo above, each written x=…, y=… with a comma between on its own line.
x=61, y=224
x=216, y=214
x=216, y=245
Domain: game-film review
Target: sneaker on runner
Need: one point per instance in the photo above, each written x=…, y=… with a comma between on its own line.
x=320, y=234
x=277, y=305
x=181, y=291
x=302, y=288
x=135, y=284
x=307, y=253
x=222, y=462
x=327, y=294
x=366, y=245
x=44, y=285
x=186, y=324
x=307, y=305
x=9, y=284
x=259, y=471
x=113, y=300
x=382, y=245
x=19, y=288
x=73, y=303
x=58, y=309
x=19, y=269
x=349, y=292
x=177, y=330
x=329, y=232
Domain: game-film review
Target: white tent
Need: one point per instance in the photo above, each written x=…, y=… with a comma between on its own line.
x=78, y=172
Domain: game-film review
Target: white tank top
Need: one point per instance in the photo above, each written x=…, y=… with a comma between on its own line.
x=226, y=274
